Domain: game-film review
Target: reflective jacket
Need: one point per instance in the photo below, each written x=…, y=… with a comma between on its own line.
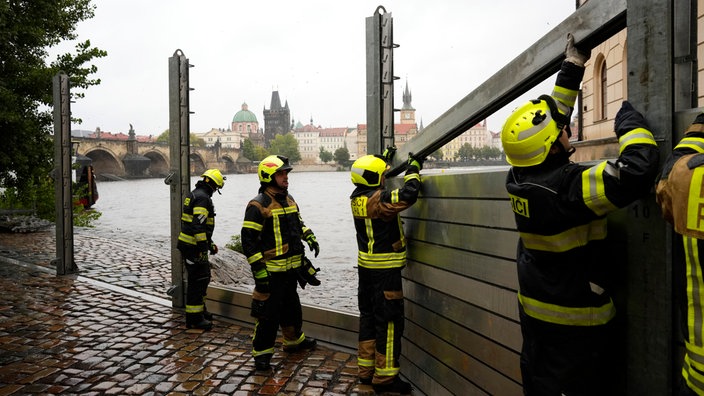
x=197, y=221
x=273, y=231
x=560, y=210
x=380, y=240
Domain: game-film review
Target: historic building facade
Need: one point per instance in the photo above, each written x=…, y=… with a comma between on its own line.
x=277, y=119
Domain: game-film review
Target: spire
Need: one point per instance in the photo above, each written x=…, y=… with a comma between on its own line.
x=407, y=98
x=275, y=101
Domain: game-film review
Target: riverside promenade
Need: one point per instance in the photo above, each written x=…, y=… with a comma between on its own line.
x=109, y=330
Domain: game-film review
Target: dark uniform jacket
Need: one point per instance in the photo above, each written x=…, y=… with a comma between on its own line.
x=197, y=221
x=560, y=210
x=273, y=231
x=380, y=239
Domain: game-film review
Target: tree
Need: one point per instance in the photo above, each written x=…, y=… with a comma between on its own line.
x=285, y=145
x=194, y=139
x=325, y=155
x=437, y=154
x=342, y=156
x=466, y=153
x=27, y=30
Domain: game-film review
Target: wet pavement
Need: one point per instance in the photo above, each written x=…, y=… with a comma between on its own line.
x=106, y=331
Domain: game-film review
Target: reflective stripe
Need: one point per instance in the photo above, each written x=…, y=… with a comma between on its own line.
x=284, y=264
x=278, y=240
x=695, y=201
x=566, y=240
x=269, y=351
x=252, y=225
x=411, y=176
x=187, y=239
x=186, y=217
x=365, y=362
x=381, y=260
x=695, y=293
x=389, y=369
x=570, y=316
x=255, y=257
x=370, y=234
x=696, y=355
x=593, y=191
x=199, y=210
x=695, y=379
x=565, y=97
x=194, y=308
x=696, y=144
x=295, y=342
x=636, y=136
x=200, y=237
x=394, y=196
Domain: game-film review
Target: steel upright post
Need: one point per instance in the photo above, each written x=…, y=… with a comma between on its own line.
x=64, y=261
x=179, y=178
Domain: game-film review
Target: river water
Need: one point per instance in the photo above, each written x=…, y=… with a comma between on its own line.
x=140, y=209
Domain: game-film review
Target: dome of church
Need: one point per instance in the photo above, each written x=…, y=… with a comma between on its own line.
x=244, y=115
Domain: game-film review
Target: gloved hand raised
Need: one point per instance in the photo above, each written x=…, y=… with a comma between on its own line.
x=628, y=119
x=389, y=154
x=313, y=243
x=414, y=164
x=573, y=54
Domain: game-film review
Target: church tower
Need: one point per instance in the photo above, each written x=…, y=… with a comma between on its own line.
x=277, y=119
x=408, y=113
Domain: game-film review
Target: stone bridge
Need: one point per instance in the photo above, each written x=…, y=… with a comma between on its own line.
x=133, y=159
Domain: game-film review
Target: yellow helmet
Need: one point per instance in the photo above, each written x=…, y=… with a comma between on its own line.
x=368, y=170
x=271, y=165
x=215, y=176
x=530, y=131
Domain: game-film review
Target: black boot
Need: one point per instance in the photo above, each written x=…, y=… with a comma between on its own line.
x=397, y=386
x=307, y=344
x=197, y=321
x=262, y=362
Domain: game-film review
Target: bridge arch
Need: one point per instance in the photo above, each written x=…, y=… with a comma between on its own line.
x=197, y=163
x=105, y=163
x=230, y=164
x=159, y=165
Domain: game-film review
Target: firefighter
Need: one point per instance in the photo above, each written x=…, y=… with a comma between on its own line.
x=679, y=193
x=195, y=242
x=381, y=257
x=564, y=296
x=272, y=235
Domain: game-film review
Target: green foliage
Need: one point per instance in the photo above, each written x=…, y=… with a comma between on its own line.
x=325, y=155
x=235, y=244
x=285, y=145
x=253, y=152
x=342, y=156
x=83, y=217
x=437, y=154
x=468, y=152
x=194, y=140
x=27, y=30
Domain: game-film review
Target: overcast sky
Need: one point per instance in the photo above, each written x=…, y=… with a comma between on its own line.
x=312, y=52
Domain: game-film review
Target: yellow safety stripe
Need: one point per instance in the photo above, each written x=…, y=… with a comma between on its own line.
x=277, y=227
x=365, y=362
x=201, y=237
x=696, y=355
x=269, y=351
x=566, y=240
x=187, y=239
x=564, y=96
x=389, y=369
x=695, y=294
x=570, y=316
x=400, y=227
x=411, y=176
x=694, y=143
x=381, y=260
x=210, y=221
x=284, y=264
x=695, y=380
x=636, y=136
x=593, y=190
x=255, y=257
x=262, y=273
x=199, y=210
x=295, y=342
x=252, y=225
x=194, y=308
x=370, y=234
x=394, y=196
x=695, y=201
x=186, y=217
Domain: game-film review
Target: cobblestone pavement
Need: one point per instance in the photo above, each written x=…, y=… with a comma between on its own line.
x=92, y=334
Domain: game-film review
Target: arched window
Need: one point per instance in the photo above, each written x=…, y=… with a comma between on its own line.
x=603, y=84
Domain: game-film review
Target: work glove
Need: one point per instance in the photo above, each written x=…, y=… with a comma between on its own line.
x=628, y=119
x=414, y=164
x=573, y=54
x=389, y=154
x=306, y=274
x=213, y=248
x=261, y=277
x=259, y=304
x=313, y=243
x=202, y=258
